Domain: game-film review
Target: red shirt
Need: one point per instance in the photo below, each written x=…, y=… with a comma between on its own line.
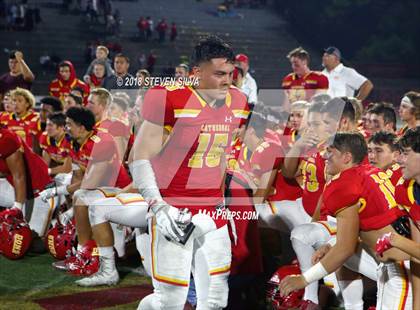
x=313, y=172
x=115, y=128
x=188, y=168
x=268, y=156
x=57, y=150
x=100, y=147
x=303, y=88
x=24, y=127
x=370, y=187
x=404, y=195
x=36, y=169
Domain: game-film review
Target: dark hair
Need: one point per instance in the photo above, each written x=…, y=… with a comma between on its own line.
x=12, y=54
x=387, y=112
x=258, y=122
x=338, y=108
x=354, y=143
x=211, y=47
x=411, y=139
x=121, y=55
x=57, y=118
x=82, y=117
x=383, y=137
x=77, y=99
x=64, y=64
x=300, y=53
x=54, y=102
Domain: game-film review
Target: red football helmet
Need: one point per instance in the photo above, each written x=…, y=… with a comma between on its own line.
x=60, y=240
x=85, y=262
x=15, y=238
x=293, y=300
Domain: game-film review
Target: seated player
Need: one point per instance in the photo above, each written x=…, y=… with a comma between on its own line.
x=407, y=195
x=409, y=111
x=23, y=121
x=100, y=172
x=383, y=118
x=22, y=175
x=362, y=201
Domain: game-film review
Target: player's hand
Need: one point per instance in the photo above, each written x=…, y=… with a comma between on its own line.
x=52, y=192
x=307, y=140
x=166, y=221
x=383, y=244
x=291, y=283
x=19, y=56
x=320, y=253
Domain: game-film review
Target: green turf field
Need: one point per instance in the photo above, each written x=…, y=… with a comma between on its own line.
x=23, y=282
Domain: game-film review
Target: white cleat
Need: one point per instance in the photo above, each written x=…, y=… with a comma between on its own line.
x=100, y=278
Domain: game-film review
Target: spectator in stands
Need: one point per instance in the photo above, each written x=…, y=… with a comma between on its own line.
x=303, y=83
x=161, y=29
x=343, y=81
x=98, y=74
x=383, y=118
x=142, y=25
x=409, y=111
x=20, y=75
x=66, y=81
x=174, y=32
x=102, y=53
x=149, y=28
x=249, y=86
x=151, y=61
x=121, y=79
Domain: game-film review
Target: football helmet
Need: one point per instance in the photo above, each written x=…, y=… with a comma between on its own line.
x=61, y=239
x=10, y=214
x=15, y=238
x=291, y=301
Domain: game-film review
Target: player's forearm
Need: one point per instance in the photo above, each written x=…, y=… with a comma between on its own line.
x=408, y=246
x=291, y=163
x=19, y=182
x=365, y=90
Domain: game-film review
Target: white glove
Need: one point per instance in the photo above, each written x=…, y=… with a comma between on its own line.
x=166, y=218
x=52, y=192
x=66, y=217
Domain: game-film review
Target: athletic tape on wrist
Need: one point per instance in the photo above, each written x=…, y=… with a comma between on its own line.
x=144, y=179
x=315, y=273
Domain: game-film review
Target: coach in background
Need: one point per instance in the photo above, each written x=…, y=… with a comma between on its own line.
x=343, y=81
x=249, y=86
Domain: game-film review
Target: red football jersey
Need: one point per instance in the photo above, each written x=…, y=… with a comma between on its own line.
x=24, y=127
x=313, y=182
x=115, y=128
x=270, y=155
x=100, y=147
x=394, y=173
x=36, y=169
x=188, y=168
x=304, y=87
x=404, y=195
x=57, y=150
x=370, y=187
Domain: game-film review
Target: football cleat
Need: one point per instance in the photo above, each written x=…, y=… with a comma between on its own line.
x=86, y=261
x=105, y=276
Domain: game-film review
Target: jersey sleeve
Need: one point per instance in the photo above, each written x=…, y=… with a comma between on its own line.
x=119, y=129
x=157, y=108
x=9, y=143
x=104, y=148
x=322, y=82
x=266, y=159
x=43, y=141
x=341, y=194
